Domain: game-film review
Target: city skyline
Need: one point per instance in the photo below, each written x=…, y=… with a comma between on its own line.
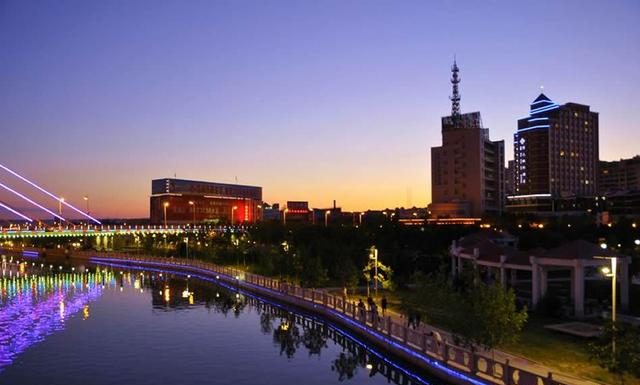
x=321, y=107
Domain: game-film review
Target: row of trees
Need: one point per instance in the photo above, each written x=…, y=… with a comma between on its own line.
x=478, y=314
x=336, y=256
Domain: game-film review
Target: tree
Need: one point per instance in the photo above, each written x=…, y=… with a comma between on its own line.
x=374, y=266
x=490, y=317
x=625, y=358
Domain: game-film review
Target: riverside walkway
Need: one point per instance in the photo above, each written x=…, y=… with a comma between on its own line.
x=419, y=346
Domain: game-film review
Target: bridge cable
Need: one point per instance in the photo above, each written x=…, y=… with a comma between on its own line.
x=32, y=202
x=16, y=212
x=59, y=199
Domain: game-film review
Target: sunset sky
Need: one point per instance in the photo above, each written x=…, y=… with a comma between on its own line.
x=312, y=100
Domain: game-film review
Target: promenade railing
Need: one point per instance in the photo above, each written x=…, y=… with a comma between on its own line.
x=429, y=345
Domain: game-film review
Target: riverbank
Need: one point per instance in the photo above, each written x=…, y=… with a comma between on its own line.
x=444, y=360
x=536, y=346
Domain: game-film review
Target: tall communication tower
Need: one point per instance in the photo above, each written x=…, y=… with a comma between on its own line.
x=455, y=97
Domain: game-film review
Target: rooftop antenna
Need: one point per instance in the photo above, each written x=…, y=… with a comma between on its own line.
x=455, y=96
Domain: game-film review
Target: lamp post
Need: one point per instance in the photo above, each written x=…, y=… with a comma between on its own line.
x=360, y=218
x=259, y=212
x=612, y=273
x=192, y=203
x=326, y=218
x=60, y=202
x=86, y=199
x=164, y=206
x=233, y=209
x=374, y=256
x=284, y=216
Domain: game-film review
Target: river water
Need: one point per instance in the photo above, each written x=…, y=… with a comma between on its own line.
x=108, y=325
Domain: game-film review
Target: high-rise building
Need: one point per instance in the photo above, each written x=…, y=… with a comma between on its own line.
x=619, y=187
x=510, y=178
x=556, y=155
x=467, y=171
x=619, y=175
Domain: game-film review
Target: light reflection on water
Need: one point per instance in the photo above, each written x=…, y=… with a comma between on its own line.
x=119, y=326
x=34, y=306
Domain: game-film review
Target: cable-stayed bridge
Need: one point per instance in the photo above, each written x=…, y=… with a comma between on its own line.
x=24, y=198
x=30, y=228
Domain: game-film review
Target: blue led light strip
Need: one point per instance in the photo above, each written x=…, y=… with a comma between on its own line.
x=537, y=119
x=275, y=304
x=543, y=109
x=534, y=127
x=431, y=362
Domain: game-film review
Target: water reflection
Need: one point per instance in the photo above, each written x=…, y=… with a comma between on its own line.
x=35, y=304
x=292, y=333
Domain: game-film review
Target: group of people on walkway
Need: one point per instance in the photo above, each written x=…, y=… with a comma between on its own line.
x=372, y=307
x=413, y=320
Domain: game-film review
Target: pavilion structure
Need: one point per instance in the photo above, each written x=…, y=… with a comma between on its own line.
x=496, y=252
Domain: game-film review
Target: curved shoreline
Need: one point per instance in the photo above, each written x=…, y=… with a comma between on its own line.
x=377, y=334
x=286, y=307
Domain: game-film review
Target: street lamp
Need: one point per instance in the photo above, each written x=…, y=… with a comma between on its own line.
x=360, y=218
x=375, y=269
x=165, y=205
x=637, y=242
x=284, y=216
x=233, y=209
x=60, y=202
x=326, y=218
x=259, y=212
x=192, y=203
x=86, y=199
x=612, y=273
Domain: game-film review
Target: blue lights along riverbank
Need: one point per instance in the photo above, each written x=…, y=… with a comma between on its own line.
x=206, y=275
x=120, y=324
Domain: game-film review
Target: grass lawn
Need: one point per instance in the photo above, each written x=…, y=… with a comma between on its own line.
x=560, y=352
x=565, y=353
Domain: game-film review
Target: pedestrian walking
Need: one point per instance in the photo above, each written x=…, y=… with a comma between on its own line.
x=383, y=304
x=361, y=308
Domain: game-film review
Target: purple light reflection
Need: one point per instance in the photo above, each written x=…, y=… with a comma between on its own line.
x=32, y=309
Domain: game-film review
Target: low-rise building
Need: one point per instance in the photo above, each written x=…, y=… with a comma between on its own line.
x=179, y=202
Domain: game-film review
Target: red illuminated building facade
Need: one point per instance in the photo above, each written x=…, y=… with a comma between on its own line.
x=298, y=211
x=187, y=201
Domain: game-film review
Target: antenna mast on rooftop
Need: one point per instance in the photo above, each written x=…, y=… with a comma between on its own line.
x=455, y=97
